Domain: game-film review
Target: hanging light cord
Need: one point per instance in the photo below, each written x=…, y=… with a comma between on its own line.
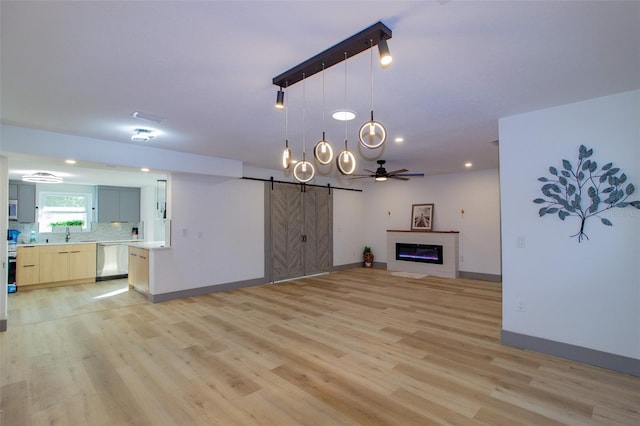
x=286, y=119
x=345, y=98
x=323, y=127
x=304, y=104
x=371, y=67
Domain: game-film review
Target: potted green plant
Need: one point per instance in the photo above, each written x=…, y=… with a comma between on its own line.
x=367, y=256
x=73, y=225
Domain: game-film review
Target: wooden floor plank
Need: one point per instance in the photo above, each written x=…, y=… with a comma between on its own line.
x=355, y=347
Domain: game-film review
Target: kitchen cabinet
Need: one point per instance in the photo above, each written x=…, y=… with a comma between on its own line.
x=56, y=264
x=28, y=265
x=139, y=269
x=118, y=204
x=82, y=262
x=67, y=262
x=25, y=193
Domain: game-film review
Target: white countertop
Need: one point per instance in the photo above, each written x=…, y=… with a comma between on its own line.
x=55, y=244
x=151, y=245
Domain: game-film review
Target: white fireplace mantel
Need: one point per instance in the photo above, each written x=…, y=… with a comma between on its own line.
x=450, y=252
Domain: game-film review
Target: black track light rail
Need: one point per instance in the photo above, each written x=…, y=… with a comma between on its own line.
x=355, y=44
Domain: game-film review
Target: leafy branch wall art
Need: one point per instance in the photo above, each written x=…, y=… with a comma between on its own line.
x=584, y=191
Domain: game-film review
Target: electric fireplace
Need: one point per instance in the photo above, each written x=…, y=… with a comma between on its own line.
x=423, y=253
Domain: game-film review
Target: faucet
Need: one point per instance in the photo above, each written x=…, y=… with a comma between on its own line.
x=67, y=237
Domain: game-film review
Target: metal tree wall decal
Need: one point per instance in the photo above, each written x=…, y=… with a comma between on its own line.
x=567, y=189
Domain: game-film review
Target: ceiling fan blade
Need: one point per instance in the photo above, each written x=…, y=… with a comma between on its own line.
x=399, y=177
x=411, y=174
x=370, y=171
x=397, y=171
x=360, y=177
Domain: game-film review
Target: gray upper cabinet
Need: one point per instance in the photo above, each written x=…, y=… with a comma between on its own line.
x=25, y=193
x=118, y=204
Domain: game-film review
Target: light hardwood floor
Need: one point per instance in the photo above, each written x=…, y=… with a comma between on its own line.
x=354, y=347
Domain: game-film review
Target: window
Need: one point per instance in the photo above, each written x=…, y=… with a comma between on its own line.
x=64, y=206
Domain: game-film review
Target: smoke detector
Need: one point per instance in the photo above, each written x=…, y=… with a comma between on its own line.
x=143, y=135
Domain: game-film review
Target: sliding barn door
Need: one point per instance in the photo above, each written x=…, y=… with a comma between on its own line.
x=301, y=231
x=318, y=236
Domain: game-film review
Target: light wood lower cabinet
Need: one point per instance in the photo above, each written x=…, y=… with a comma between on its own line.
x=28, y=265
x=82, y=261
x=56, y=264
x=139, y=269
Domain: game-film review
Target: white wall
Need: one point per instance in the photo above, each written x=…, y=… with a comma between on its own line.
x=588, y=293
x=348, y=227
x=217, y=233
x=388, y=206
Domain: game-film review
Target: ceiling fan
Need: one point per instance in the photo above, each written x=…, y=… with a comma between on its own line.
x=381, y=173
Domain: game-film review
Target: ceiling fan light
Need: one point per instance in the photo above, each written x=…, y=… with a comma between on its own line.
x=381, y=178
x=142, y=135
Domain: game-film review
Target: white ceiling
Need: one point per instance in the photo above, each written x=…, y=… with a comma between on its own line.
x=83, y=67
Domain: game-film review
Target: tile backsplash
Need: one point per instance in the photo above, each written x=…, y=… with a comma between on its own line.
x=99, y=232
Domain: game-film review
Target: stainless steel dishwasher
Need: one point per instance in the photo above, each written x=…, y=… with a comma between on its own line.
x=112, y=261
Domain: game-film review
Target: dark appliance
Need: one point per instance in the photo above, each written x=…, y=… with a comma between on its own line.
x=12, y=242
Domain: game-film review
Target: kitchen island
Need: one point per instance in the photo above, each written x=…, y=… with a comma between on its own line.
x=140, y=260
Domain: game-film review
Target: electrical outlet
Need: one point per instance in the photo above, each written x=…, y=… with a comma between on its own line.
x=461, y=258
x=521, y=242
x=521, y=306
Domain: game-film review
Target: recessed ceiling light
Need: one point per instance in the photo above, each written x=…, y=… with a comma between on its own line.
x=343, y=115
x=468, y=165
x=399, y=140
x=144, y=169
x=70, y=161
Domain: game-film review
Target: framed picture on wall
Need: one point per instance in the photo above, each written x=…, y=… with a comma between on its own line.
x=421, y=217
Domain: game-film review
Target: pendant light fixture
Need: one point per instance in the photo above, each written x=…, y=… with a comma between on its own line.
x=304, y=170
x=345, y=160
x=286, y=153
x=280, y=99
x=323, y=151
x=372, y=133
x=385, y=54
x=42, y=177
